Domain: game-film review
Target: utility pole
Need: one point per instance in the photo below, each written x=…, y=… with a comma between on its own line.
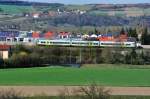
x=80, y=55
x=70, y=38
x=70, y=54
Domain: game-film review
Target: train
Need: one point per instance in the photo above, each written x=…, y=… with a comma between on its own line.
x=84, y=43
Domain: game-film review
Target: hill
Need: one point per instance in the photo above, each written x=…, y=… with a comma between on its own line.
x=72, y=16
x=25, y=3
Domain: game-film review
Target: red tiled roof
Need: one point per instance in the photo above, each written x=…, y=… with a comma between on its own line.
x=35, y=35
x=48, y=34
x=4, y=47
x=64, y=33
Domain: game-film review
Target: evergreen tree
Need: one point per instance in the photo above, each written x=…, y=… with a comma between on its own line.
x=122, y=31
x=129, y=32
x=133, y=57
x=1, y=10
x=132, y=33
x=95, y=31
x=145, y=37
x=1, y=62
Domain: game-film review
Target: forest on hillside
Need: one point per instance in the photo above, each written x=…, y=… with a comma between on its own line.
x=72, y=16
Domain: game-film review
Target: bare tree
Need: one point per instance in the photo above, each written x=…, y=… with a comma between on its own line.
x=90, y=92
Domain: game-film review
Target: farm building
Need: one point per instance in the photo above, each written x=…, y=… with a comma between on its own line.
x=4, y=51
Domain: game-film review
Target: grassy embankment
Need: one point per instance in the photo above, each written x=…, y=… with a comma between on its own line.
x=109, y=75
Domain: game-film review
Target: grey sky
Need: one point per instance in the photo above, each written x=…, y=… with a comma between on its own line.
x=94, y=1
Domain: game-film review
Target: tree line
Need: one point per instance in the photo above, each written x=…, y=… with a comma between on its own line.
x=144, y=38
x=37, y=56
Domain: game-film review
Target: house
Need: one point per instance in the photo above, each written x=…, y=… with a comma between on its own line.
x=48, y=35
x=35, y=34
x=36, y=15
x=63, y=35
x=4, y=51
x=8, y=36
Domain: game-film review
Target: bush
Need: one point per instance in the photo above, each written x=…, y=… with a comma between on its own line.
x=1, y=62
x=11, y=94
x=94, y=92
x=36, y=56
x=91, y=92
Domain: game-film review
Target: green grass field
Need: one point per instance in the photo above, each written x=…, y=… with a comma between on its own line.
x=13, y=9
x=110, y=76
x=78, y=7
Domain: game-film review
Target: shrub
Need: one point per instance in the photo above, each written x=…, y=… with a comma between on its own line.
x=10, y=94
x=94, y=92
x=1, y=62
x=90, y=92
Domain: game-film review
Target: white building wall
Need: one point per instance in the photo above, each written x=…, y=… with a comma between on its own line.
x=4, y=54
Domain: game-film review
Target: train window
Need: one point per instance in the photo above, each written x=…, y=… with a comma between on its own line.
x=106, y=43
x=65, y=42
x=51, y=42
x=21, y=39
x=61, y=42
x=73, y=43
x=43, y=42
x=111, y=44
x=83, y=43
x=95, y=43
x=128, y=44
x=117, y=44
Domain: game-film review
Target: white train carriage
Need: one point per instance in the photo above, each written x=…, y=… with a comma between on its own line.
x=42, y=42
x=117, y=44
x=54, y=42
x=110, y=44
x=85, y=43
x=130, y=44
x=69, y=42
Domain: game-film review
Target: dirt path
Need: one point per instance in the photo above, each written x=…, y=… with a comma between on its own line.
x=55, y=90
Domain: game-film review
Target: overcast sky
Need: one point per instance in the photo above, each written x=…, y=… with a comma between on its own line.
x=93, y=1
